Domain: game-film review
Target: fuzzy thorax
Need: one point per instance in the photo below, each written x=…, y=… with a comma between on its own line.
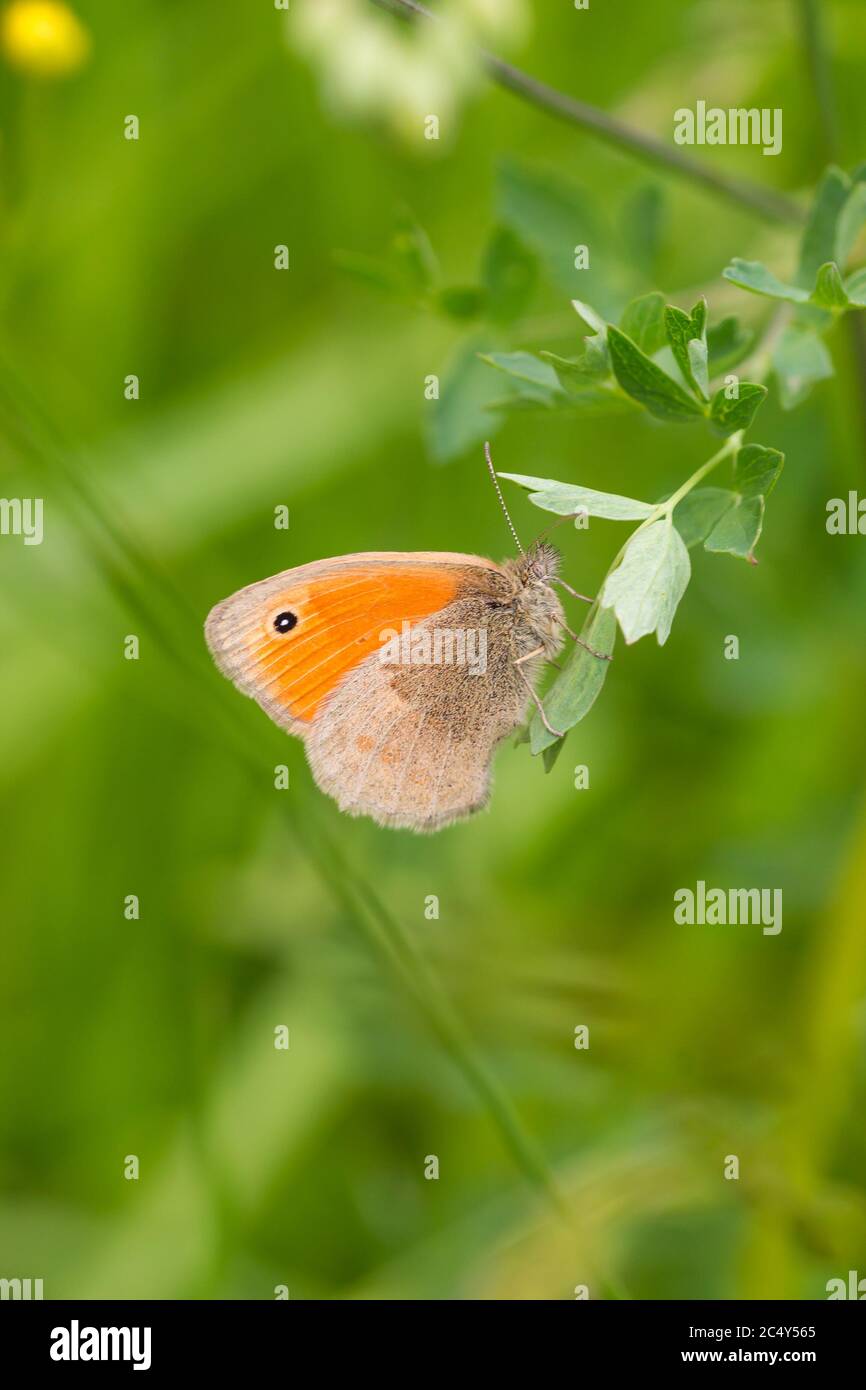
x=534, y=597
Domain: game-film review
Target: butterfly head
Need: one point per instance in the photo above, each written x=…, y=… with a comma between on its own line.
x=534, y=597
x=539, y=564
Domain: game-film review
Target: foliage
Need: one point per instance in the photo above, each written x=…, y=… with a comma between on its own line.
x=671, y=363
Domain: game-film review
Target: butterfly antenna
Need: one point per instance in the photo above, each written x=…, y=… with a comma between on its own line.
x=501, y=498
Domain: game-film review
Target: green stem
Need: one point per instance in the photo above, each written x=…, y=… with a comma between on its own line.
x=776, y=207
x=815, y=49
x=729, y=447
x=666, y=508
x=812, y=29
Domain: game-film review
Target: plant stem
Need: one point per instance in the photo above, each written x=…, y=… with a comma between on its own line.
x=776, y=207
x=815, y=48
x=812, y=29
x=666, y=508
x=729, y=447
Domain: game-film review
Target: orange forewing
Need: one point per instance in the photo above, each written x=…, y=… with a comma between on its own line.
x=341, y=617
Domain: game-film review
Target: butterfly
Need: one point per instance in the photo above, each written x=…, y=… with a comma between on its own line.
x=400, y=671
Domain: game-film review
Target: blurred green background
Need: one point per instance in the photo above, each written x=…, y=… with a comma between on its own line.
x=262, y=908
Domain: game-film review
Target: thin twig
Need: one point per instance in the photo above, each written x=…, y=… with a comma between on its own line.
x=774, y=206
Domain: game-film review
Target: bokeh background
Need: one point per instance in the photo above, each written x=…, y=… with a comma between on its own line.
x=409, y=1037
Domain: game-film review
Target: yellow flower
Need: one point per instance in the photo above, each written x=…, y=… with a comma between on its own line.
x=43, y=37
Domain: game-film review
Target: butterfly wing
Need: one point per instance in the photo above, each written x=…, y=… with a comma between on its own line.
x=339, y=607
x=410, y=745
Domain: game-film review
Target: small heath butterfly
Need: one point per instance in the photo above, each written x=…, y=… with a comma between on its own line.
x=401, y=672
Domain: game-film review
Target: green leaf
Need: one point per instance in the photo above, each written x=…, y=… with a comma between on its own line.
x=757, y=469
x=800, y=359
x=550, y=755
x=414, y=254
x=738, y=530
x=535, y=384
x=699, y=366
x=592, y=402
x=509, y=271
x=528, y=369
x=696, y=515
x=820, y=236
x=460, y=301
x=686, y=334
x=752, y=275
x=855, y=288
x=519, y=400
x=591, y=317
x=728, y=416
x=410, y=270
x=587, y=384
x=811, y=316
x=851, y=221
x=460, y=418
x=576, y=689
x=728, y=342
x=643, y=321
x=552, y=217
x=596, y=358
x=566, y=499
x=646, y=587
x=552, y=382
x=372, y=271
x=595, y=354
x=829, y=291
x=644, y=217
x=576, y=374
x=647, y=383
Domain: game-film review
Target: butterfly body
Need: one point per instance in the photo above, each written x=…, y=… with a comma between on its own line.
x=401, y=672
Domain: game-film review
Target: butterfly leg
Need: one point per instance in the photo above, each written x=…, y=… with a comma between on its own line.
x=602, y=656
x=538, y=705
x=539, y=651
